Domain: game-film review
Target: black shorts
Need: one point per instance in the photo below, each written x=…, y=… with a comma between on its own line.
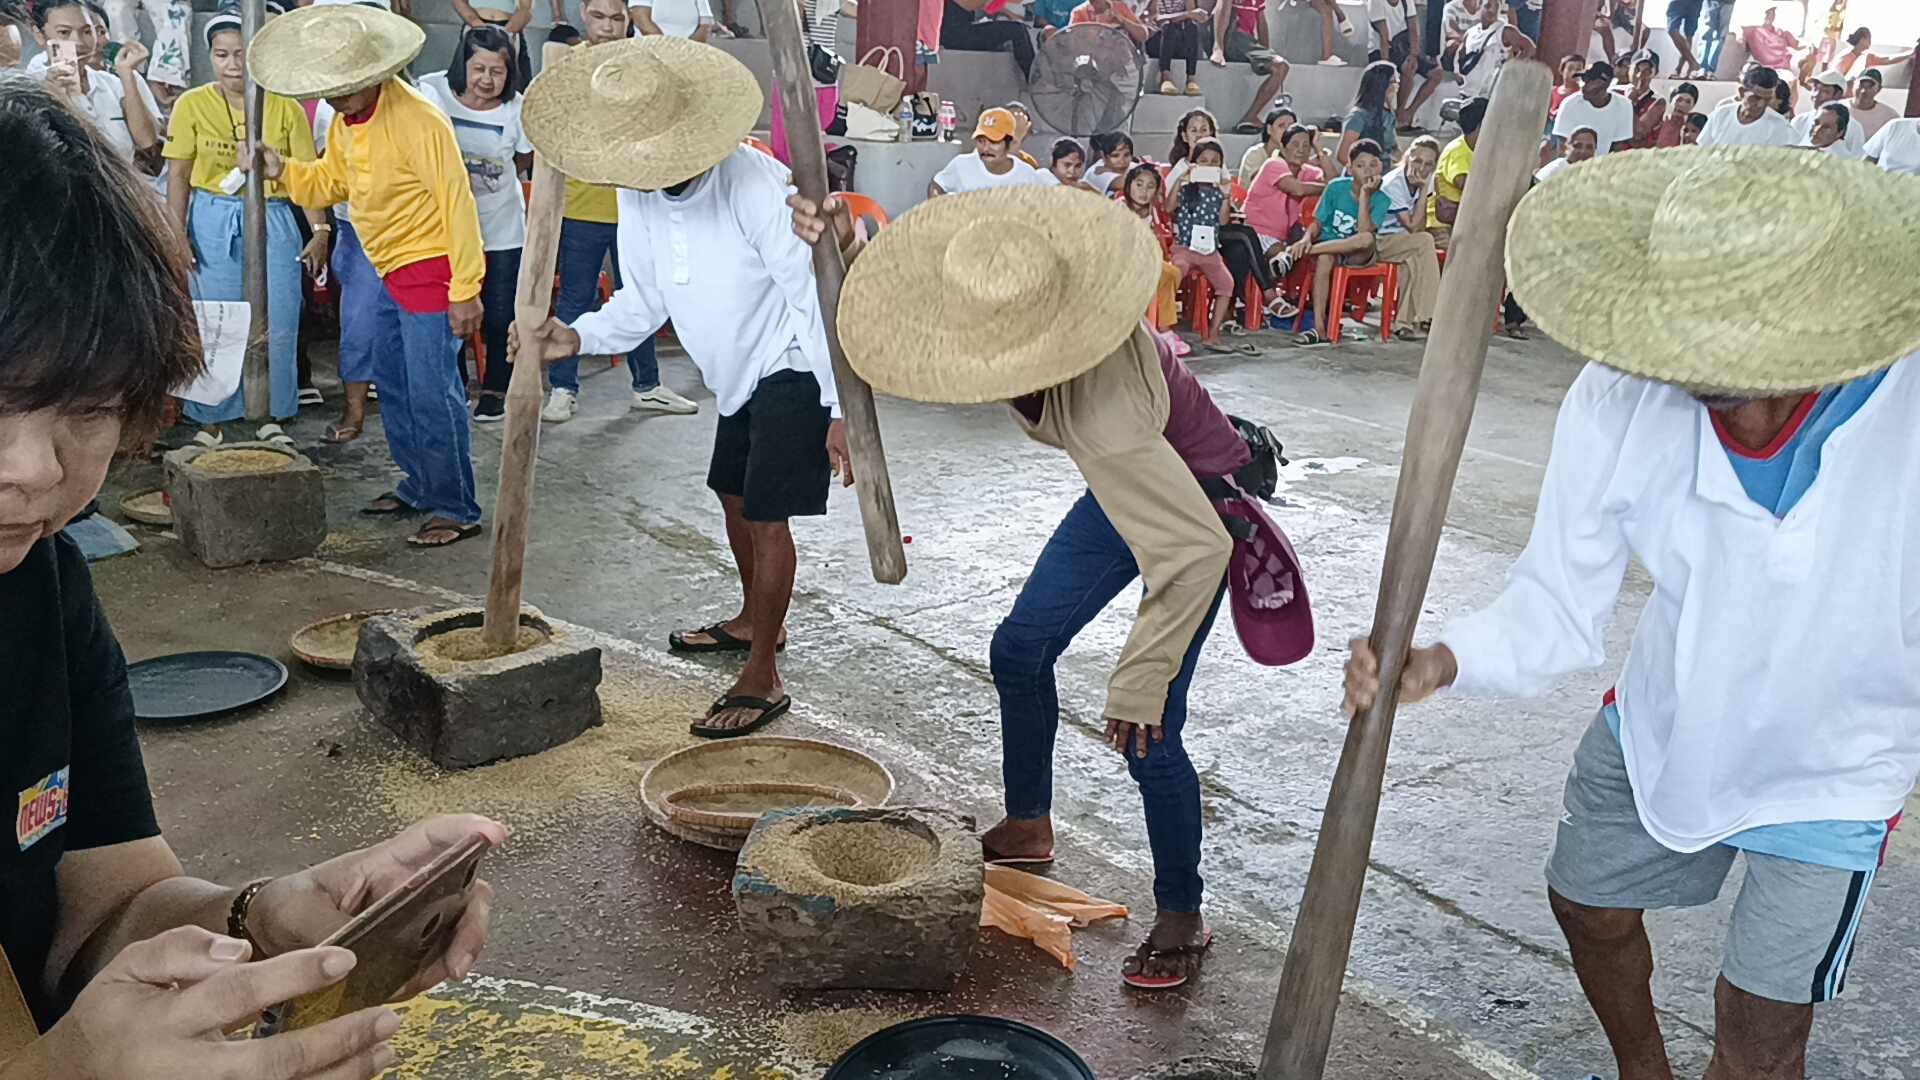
x=1244, y=48
x=772, y=453
x=1399, y=49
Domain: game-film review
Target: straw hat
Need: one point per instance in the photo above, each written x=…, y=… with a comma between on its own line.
x=643, y=113
x=993, y=294
x=1741, y=270
x=331, y=51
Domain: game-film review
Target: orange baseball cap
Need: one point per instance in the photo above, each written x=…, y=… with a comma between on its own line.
x=995, y=124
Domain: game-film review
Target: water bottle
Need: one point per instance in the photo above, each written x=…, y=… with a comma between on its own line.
x=949, y=117
x=906, y=119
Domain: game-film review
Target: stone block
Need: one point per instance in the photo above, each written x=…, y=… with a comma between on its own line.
x=230, y=519
x=883, y=899
x=467, y=713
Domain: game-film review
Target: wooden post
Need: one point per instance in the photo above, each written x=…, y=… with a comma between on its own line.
x=1566, y=28
x=1470, y=291
x=520, y=445
x=808, y=159
x=255, y=377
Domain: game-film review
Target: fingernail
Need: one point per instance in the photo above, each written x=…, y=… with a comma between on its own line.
x=337, y=962
x=227, y=950
x=386, y=1024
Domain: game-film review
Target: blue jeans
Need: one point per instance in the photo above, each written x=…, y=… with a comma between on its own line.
x=360, y=291
x=1526, y=19
x=584, y=247
x=215, y=224
x=1713, y=36
x=1083, y=567
x=423, y=408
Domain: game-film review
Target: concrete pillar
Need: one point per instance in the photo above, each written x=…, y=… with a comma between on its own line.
x=1566, y=26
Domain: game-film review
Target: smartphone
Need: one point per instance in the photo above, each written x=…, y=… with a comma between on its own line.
x=392, y=939
x=1208, y=174
x=63, y=52
x=110, y=52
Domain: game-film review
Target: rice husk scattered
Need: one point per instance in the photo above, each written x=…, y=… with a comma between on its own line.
x=847, y=860
x=441, y=653
x=237, y=461
x=826, y=1035
x=645, y=718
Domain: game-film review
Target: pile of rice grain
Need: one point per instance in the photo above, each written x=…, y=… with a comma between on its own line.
x=440, y=653
x=237, y=461
x=854, y=860
x=826, y=1035
x=645, y=718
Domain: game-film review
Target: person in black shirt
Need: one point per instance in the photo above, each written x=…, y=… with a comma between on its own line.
x=962, y=27
x=128, y=967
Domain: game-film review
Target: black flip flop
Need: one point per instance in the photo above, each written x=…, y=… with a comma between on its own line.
x=722, y=642
x=399, y=508
x=461, y=532
x=769, y=712
x=1145, y=953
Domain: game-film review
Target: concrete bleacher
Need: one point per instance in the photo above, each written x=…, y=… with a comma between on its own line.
x=896, y=174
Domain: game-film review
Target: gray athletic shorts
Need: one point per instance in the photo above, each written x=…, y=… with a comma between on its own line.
x=1794, y=923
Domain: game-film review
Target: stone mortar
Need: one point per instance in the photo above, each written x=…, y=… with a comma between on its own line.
x=481, y=710
x=813, y=931
x=231, y=519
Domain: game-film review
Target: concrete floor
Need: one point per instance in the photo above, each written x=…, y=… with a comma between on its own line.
x=616, y=953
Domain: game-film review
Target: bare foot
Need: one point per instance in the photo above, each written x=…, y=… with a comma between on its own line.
x=1019, y=841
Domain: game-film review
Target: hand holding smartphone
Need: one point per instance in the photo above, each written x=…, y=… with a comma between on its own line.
x=393, y=940
x=63, y=52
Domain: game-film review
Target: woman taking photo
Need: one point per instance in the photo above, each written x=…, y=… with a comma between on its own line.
x=203, y=192
x=478, y=94
x=128, y=968
x=1372, y=114
x=1271, y=136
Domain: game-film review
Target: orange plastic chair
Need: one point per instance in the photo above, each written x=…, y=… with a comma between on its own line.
x=760, y=146
x=1353, y=286
x=1196, y=303
x=863, y=208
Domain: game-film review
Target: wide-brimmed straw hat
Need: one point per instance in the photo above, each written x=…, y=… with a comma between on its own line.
x=993, y=294
x=1742, y=270
x=331, y=51
x=644, y=113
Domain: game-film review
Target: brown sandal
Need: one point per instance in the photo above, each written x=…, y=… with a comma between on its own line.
x=340, y=434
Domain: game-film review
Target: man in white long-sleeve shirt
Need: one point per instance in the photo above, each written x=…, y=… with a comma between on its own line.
x=717, y=255
x=1767, y=704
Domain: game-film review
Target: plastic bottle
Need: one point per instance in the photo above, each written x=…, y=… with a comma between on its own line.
x=906, y=119
x=948, y=118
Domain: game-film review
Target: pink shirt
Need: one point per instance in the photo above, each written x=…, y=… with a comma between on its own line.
x=1771, y=45
x=1271, y=211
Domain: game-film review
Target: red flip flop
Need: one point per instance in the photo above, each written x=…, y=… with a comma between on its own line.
x=1165, y=982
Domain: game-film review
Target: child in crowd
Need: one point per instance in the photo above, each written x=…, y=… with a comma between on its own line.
x=1343, y=231
x=1140, y=193
x=1112, y=157
x=1690, y=134
x=1198, y=124
x=1679, y=109
x=1198, y=198
x=1069, y=161
x=1272, y=134
x=991, y=164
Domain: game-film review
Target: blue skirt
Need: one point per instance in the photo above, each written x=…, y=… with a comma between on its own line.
x=214, y=223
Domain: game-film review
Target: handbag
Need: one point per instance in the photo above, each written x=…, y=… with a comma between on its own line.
x=1203, y=239
x=825, y=65
x=926, y=116
x=866, y=83
x=870, y=125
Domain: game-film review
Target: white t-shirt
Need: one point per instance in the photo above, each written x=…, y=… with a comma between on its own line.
x=488, y=138
x=1872, y=120
x=1485, y=48
x=968, y=173
x=1854, y=140
x=1401, y=199
x=1725, y=129
x=106, y=104
x=1551, y=169
x=1393, y=13
x=679, y=18
x=1897, y=147
x=1457, y=18
x=1613, y=123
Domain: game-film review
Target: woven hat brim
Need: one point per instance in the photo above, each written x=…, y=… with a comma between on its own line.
x=1793, y=272
x=907, y=331
x=281, y=59
x=601, y=143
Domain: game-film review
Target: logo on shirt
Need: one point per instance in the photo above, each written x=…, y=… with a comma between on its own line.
x=43, y=808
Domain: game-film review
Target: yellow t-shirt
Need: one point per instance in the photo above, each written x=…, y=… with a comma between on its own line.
x=1455, y=162
x=204, y=127
x=590, y=202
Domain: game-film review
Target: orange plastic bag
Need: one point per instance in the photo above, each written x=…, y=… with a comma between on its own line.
x=1041, y=910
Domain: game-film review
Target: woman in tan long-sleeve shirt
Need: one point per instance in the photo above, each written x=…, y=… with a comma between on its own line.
x=1146, y=436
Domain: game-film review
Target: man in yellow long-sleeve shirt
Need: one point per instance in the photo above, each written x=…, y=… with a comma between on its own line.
x=391, y=156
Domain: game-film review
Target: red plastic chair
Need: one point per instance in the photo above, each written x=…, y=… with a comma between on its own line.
x=760, y=146
x=863, y=208
x=1196, y=303
x=1353, y=286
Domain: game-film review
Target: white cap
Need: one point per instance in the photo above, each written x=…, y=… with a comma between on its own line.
x=1828, y=77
